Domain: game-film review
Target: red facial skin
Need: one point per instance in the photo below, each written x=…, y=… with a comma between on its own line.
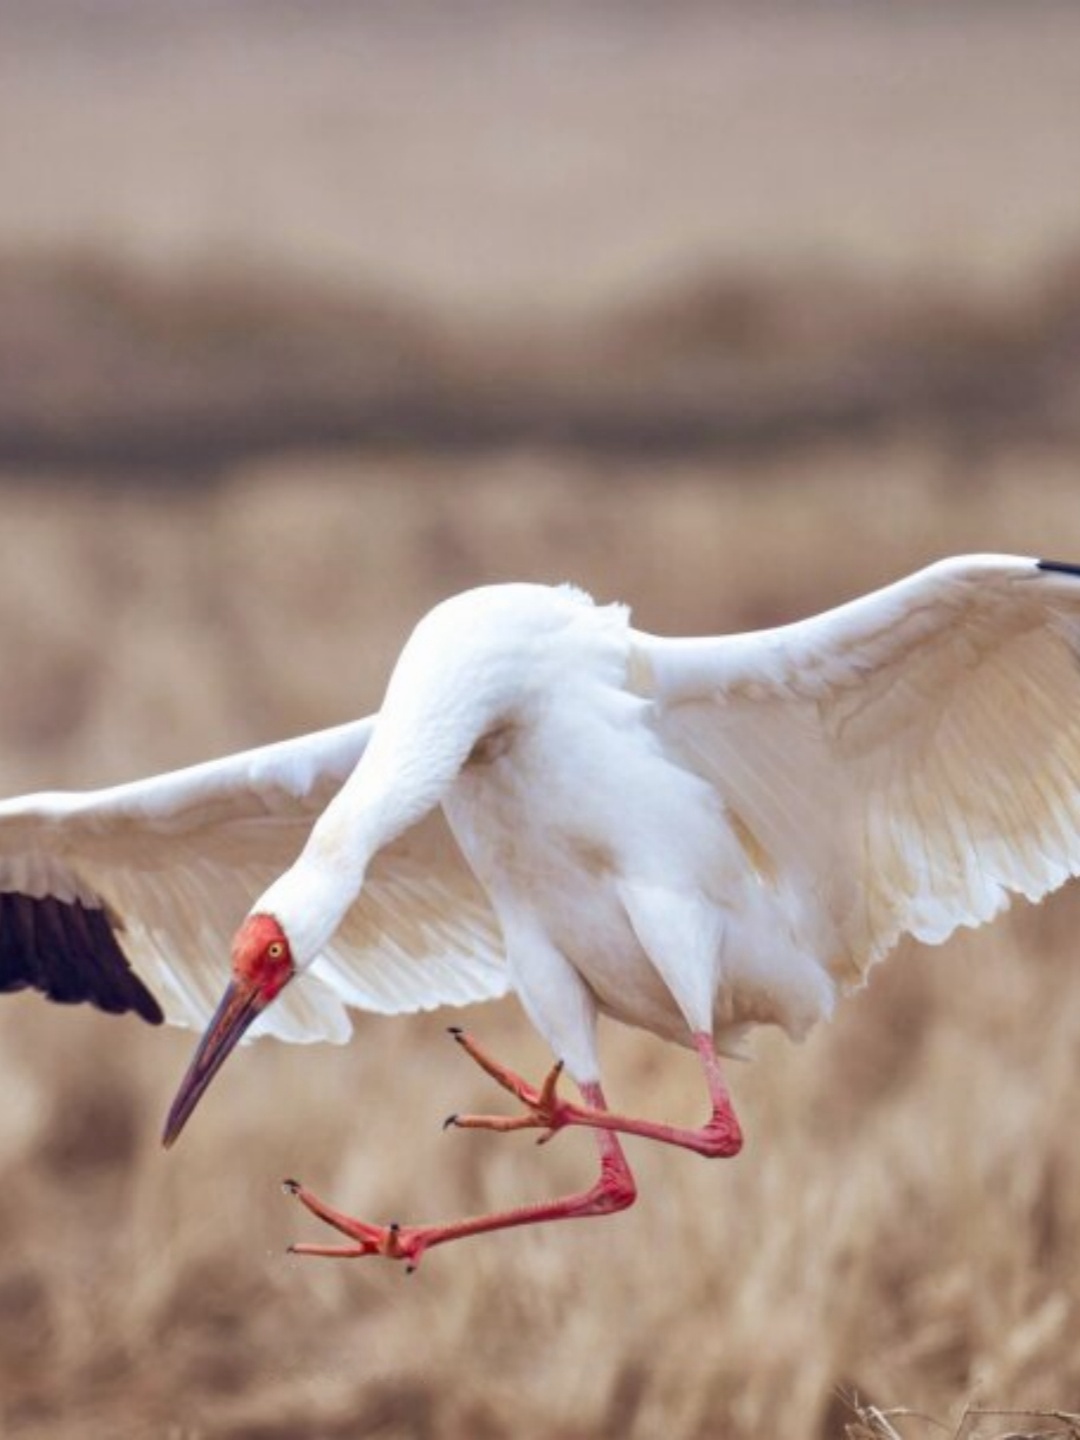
x=262, y=966
x=261, y=957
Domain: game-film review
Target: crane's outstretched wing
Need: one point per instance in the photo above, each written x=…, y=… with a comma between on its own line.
x=906, y=762
x=128, y=897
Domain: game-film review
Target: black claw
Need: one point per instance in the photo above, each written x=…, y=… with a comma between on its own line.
x=395, y=1226
x=290, y=1249
x=410, y=1269
x=291, y=1187
x=455, y=1030
x=450, y=1120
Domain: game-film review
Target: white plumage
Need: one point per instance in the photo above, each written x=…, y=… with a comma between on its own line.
x=176, y=860
x=692, y=835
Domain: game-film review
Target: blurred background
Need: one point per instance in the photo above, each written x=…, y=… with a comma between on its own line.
x=311, y=314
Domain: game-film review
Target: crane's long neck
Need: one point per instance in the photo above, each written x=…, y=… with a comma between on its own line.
x=403, y=775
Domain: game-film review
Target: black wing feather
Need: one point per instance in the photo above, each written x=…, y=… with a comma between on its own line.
x=69, y=952
x=1058, y=567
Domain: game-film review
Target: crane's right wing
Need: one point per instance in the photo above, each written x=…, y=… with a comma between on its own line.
x=902, y=764
x=421, y=933
x=128, y=897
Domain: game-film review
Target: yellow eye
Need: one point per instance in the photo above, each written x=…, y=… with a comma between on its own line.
x=275, y=950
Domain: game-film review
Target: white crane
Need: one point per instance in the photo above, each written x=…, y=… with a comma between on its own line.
x=694, y=836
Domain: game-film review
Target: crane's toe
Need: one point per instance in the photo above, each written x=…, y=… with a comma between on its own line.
x=544, y=1110
x=394, y=1241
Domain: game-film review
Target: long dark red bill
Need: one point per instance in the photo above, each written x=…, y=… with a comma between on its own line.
x=240, y=1005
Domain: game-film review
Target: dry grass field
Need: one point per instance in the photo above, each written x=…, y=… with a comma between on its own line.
x=904, y=1224
x=312, y=315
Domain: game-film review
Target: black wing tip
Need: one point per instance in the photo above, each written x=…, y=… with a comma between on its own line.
x=69, y=952
x=139, y=1002
x=1058, y=567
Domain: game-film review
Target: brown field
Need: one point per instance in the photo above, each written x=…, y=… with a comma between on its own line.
x=302, y=327
x=905, y=1221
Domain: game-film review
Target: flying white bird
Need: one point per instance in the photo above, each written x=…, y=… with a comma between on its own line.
x=694, y=836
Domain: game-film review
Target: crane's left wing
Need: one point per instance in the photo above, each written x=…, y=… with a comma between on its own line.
x=904, y=763
x=128, y=897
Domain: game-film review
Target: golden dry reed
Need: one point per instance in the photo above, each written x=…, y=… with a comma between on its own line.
x=897, y=1249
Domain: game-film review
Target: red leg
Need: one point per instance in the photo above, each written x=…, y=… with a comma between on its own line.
x=614, y=1190
x=719, y=1136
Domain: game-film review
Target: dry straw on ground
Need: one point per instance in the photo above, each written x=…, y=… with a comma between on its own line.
x=904, y=1225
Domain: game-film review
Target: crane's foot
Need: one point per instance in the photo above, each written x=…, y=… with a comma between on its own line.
x=720, y=1137
x=394, y=1241
x=544, y=1110
x=613, y=1191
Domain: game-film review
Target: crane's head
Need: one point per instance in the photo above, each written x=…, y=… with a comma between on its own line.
x=262, y=965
